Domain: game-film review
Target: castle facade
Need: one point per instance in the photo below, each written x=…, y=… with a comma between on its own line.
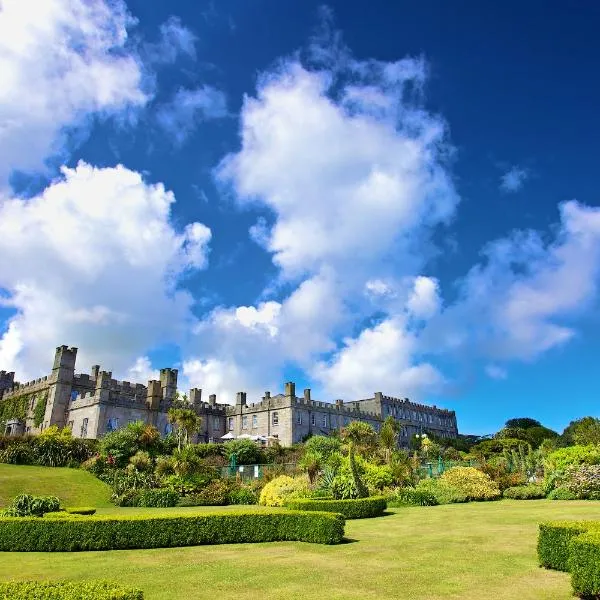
x=92, y=404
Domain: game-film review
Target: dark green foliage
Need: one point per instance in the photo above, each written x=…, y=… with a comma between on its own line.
x=531, y=491
x=13, y=408
x=582, y=432
x=216, y=493
x=361, y=489
x=52, y=449
x=522, y=423
x=26, y=505
x=360, y=508
x=561, y=493
x=206, y=450
x=323, y=445
x=80, y=510
x=157, y=498
x=553, y=541
x=412, y=497
x=242, y=495
x=246, y=452
x=122, y=444
x=39, y=412
x=67, y=590
x=489, y=448
x=584, y=564
x=115, y=533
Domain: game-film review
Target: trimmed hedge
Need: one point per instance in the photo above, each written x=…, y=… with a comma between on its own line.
x=80, y=510
x=360, y=508
x=530, y=491
x=116, y=533
x=67, y=590
x=584, y=564
x=554, y=539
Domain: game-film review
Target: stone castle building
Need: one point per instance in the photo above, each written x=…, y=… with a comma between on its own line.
x=92, y=404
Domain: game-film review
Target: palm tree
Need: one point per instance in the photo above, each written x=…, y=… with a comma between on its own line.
x=187, y=423
x=388, y=437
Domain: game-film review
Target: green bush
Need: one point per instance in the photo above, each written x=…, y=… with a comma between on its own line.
x=561, y=493
x=216, y=493
x=471, y=482
x=163, y=531
x=563, y=458
x=246, y=452
x=26, y=505
x=443, y=492
x=61, y=514
x=359, y=508
x=584, y=564
x=553, y=542
x=412, y=497
x=67, y=590
x=80, y=510
x=161, y=498
x=531, y=491
x=242, y=495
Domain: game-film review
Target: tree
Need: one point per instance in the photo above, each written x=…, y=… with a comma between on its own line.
x=187, y=423
x=388, y=437
x=362, y=436
x=582, y=432
x=522, y=423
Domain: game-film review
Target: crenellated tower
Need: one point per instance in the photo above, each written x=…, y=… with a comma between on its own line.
x=61, y=384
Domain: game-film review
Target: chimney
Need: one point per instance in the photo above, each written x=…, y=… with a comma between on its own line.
x=212, y=399
x=195, y=398
x=339, y=403
x=290, y=388
x=267, y=395
x=307, y=395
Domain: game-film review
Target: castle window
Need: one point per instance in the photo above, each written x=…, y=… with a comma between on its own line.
x=325, y=420
x=313, y=421
x=74, y=395
x=244, y=422
x=299, y=418
x=84, y=426
x=168, y=428
x=275, y=418
x=254, y=421
x=230, y=423
x=216, y=424
x=112, y=424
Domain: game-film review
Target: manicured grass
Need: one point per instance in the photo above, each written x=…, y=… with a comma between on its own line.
x=73, y=487
x=462, y=551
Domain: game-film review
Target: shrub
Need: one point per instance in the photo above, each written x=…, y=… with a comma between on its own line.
x=216, y=493
x=283, y=488
x=60, y=514
x=471, y=482
x=584, y=482
x=563, y=458
x=115, y=533
x=443, y=492
x=161, y=498
x=378, y=477
x=360, y=508
x=412, y=497
x=80, y=510
x=26, y=505
x=141, y=461
x=531, y=491
x=246, y=452
x=323, y=445
x=561, y=493
x=584, y=564
x=67, y=590
x=553, y=542
x=20, y=452
x=242, y=495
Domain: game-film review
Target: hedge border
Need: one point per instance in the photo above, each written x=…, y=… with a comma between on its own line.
x=67, y=590
x=359, y=508
x=584, y=564
x=554, y=539
x=27, y=534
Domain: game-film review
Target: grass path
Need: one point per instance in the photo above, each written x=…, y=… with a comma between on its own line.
x=74, y=487
x=468, y=552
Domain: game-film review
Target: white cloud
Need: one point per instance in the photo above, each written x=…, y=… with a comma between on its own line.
x=424, y=300
x=522, y=300
x=189, y=107
x=175, y=39
x=94, y=261
x=514, y=179
x=381, y=358
x=142, y=371
x=496, y=372
x=60, y=62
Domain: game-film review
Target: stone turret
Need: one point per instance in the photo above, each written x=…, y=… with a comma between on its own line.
x=63, y=373
x=168, y=383
x=195, y=398
x=154, y=394
x=290, y=389
x=7, y=380
x=240, y=399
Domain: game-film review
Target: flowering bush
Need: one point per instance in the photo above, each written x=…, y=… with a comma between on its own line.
x=471, y=482
x=283, y=488
x=584, y=482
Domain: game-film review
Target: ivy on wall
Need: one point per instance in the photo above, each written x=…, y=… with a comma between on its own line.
x=40, y=409
x=13, y=408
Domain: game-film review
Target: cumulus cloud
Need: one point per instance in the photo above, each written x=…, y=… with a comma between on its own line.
x=60, y=61
x=189, y=107
x=514, y=179
x=521, y=300
x=95, y=261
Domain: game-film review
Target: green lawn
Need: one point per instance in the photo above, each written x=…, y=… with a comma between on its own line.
x=468, y=552
x=74, y=487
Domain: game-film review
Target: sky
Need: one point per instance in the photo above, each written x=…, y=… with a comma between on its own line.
x=359, y=197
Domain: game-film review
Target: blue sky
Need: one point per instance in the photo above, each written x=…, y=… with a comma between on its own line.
x=386, y=197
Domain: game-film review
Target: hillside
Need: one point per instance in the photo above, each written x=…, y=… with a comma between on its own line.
x=74, y=487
